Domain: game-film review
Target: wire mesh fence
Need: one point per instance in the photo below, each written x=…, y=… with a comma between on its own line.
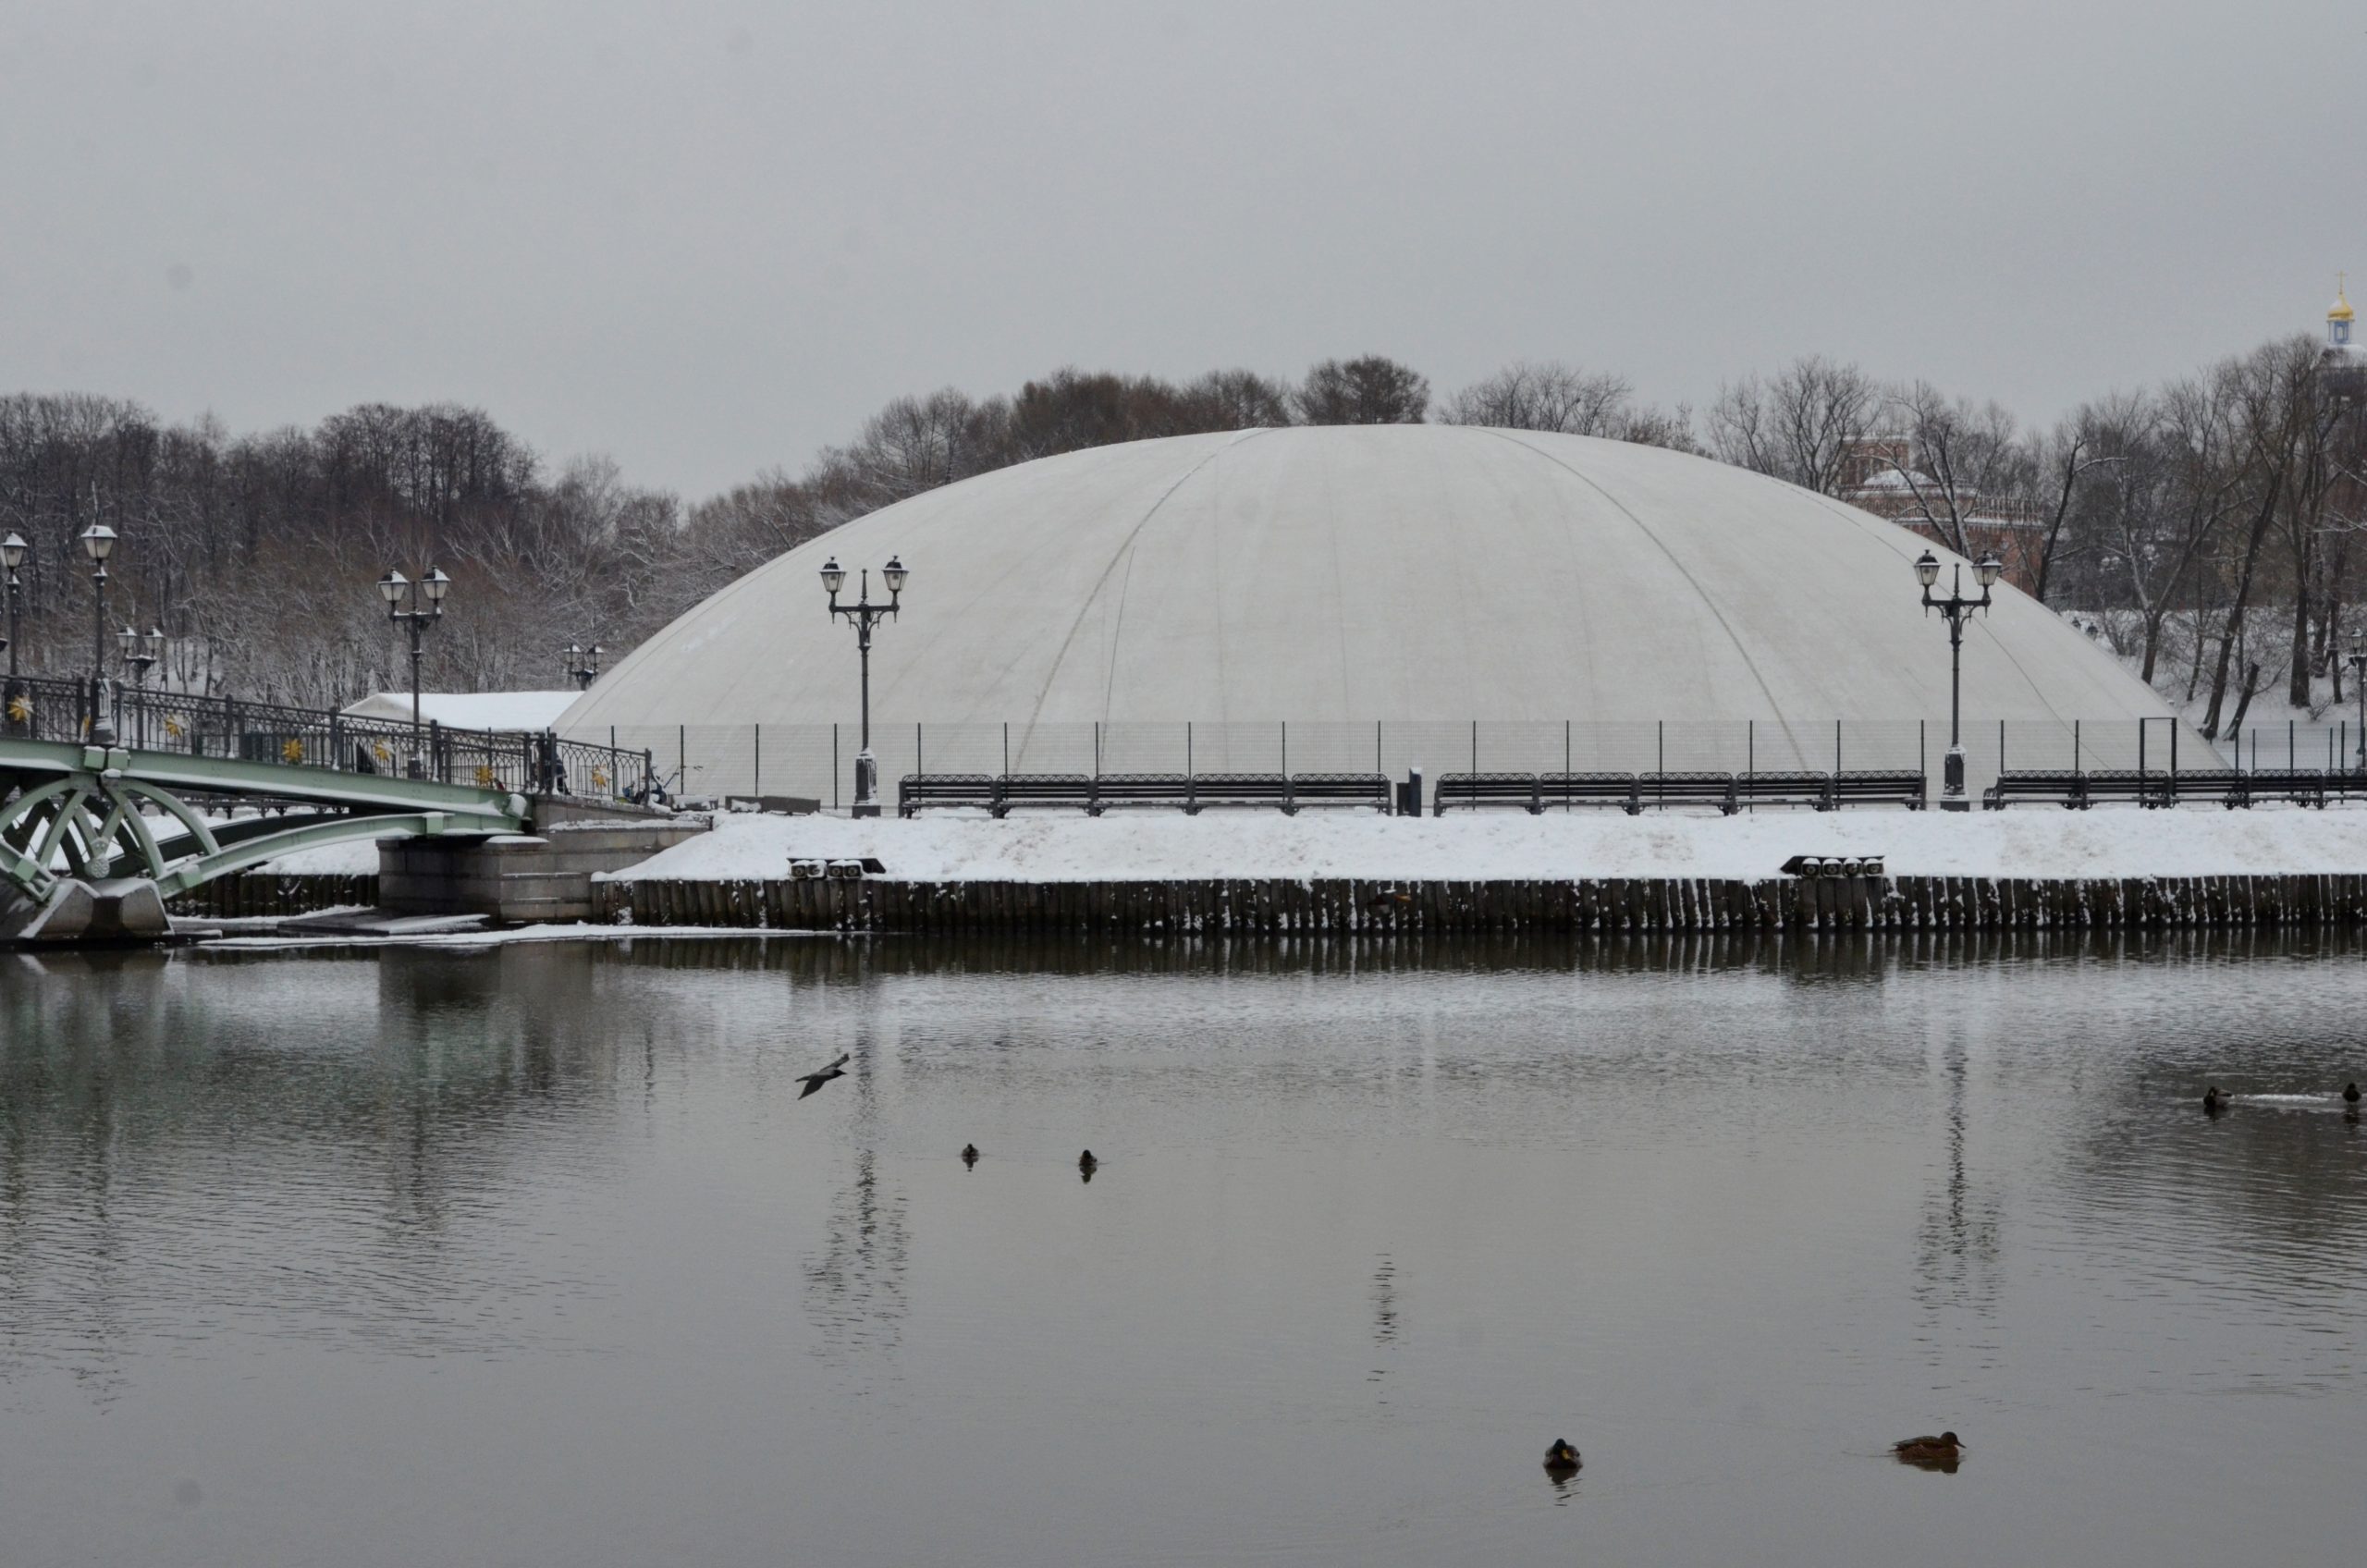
x=816, y=761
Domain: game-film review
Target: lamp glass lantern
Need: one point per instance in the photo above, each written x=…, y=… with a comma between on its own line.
x=834, y=577
x=436, y=586
x=1988, y=569
x=98, y=541
x=128, y=641
x=391, y=586
x=12, y=550
x=1927, y=569
x=893, y=574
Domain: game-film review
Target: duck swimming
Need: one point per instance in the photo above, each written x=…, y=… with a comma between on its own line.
x=1086, y=1165
x=1942, y=1450
x=1561, y=1460
x=2214, y=1101
x=2351, y=1094
x=969, y=1154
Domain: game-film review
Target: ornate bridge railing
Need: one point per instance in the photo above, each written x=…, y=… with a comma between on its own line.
x=39, y=708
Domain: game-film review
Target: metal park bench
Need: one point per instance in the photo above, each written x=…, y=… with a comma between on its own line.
x=2303, y=786
x=1365, y=790
x=1687, y=789
x=2057, y=786
x=1141, y=790
x=2210, y=785
x=1473, y=790
x=1240, y=790
x=918, y=792
x=1569, y=790
x=1878, y=789
x=1811, y=789
x=1020, y=790
x=2147, y=788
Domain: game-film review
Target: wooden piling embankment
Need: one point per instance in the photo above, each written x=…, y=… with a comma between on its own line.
x=260, y=893
x=1606, y=904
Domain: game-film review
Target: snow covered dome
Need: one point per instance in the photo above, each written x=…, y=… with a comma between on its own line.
x=1361, y=573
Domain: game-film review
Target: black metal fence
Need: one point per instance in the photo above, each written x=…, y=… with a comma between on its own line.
x=816, y=761
x=41, y=709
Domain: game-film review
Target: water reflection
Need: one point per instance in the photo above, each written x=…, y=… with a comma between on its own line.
x=1380, y=1217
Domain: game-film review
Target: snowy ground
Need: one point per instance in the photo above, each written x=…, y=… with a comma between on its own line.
x=1163, y=845
x=356, y=858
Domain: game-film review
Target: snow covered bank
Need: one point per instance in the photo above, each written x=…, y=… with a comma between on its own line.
x=1166, y=846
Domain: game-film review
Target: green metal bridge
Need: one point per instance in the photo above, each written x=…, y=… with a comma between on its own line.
x=95, y=837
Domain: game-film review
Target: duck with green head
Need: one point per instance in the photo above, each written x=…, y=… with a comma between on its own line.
x=1561, y=1460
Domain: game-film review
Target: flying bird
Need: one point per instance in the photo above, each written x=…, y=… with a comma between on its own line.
x=813, y=1081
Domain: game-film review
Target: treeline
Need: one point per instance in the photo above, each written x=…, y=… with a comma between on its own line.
x=2205, y=528
x=2177, y=518
x=256, y=553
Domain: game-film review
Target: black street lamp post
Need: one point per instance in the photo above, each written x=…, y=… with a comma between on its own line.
x=584, y=665
x=139, y=656
x=866, y=615
x=98, y=543
x=2358, y=663
x=12, y=556
x=1957, y=607
x=415, y=606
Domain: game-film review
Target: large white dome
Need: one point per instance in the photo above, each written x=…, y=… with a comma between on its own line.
x=1361, y=573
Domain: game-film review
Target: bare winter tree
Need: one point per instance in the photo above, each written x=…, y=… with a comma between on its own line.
x=1807, y=425
x=1954, y=455
x=1238, y=399
x=1545, y=396
x=1370, y=391
x=2272, y=400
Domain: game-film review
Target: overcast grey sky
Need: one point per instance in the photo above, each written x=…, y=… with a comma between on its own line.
x=707, y=238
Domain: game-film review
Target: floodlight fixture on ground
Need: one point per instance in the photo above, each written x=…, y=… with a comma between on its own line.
x=1957, y=608
x=864, y=616
x=415, y=606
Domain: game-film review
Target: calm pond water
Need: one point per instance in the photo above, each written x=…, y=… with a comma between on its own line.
x=532, y=1255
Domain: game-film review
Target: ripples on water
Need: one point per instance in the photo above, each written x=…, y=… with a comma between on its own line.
x=532, y=1254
